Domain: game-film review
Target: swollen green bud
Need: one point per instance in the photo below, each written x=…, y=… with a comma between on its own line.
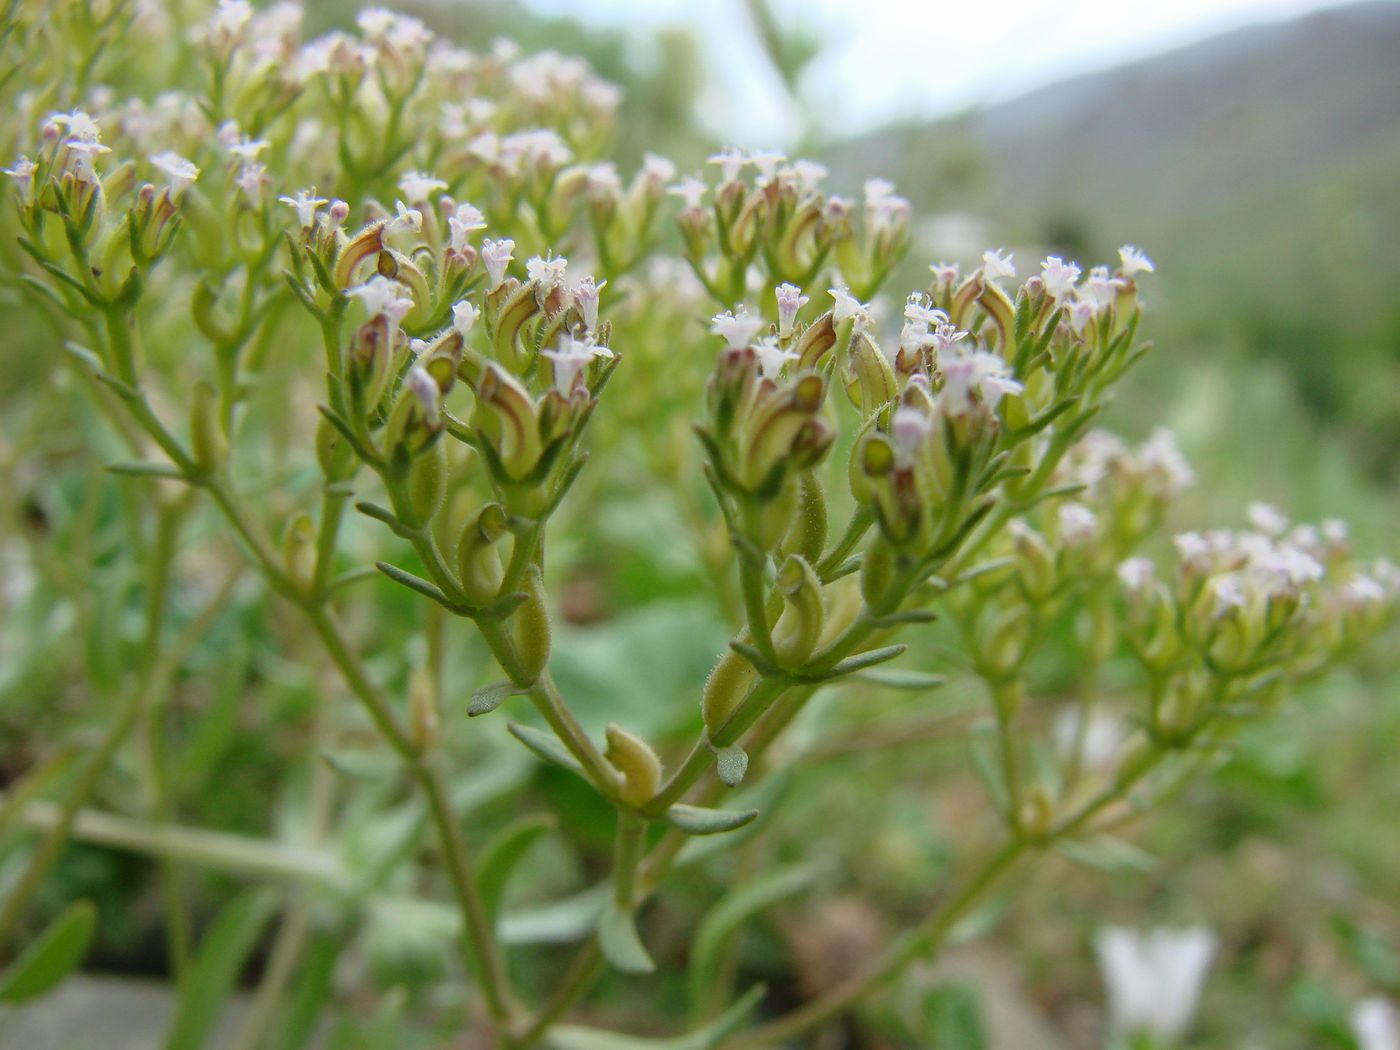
x=427, y=483
x=478, y=557
x=299, y=549
x=876, y=571
x=532, y=631
x=799, y=628
x=871, y=383
x=728, y=684
x=333, y=452
x=637, y=762
x=807, y=536
x=207, y=442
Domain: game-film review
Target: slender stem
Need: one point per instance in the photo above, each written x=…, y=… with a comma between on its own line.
x=585, y=969
x=627, y=855
x=1007, y=696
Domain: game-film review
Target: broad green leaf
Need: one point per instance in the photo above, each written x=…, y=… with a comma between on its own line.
x=52, y=957
x=573, y=1037
x=618, y=940
x=503, y=852
x=223, y=951
x=732, y=912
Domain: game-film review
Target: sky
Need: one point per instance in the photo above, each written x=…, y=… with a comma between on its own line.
x=886, y=59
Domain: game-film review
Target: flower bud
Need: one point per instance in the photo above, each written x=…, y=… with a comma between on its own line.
x=729, y=682
x=427, y=483
x=798, y=629
x=532, y=631
x=877, y=571
x=478, y=558
x=871, y=383
x=506, y=411
x=208, y=445
x=424, y=720
x=807, y=535
x=636, y=761
x=299, y=549
x=333, y=452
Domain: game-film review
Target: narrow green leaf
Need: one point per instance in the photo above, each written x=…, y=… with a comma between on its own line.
x=415, y=583
x=32, y=785
x=362, y=763
x=141, y=469
x=52, y=956
x=223, y=951
x=861, y=661
x=575, y=1037
x=1106, y=853
x=897, y=678
x=734, y=911
x=310, y=994
x=697, y=820
x=619, y=943
x=489, y=697
x=546, y=746
x=503, y=852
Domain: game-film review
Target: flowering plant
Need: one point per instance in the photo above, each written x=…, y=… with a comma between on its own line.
x=377, y=310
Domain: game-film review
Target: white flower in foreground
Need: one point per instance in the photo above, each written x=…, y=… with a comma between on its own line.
x=995, y=266
x=180, y=171
x=1154, y=978
x=305, y=204
x=570, y=358
x=738, y=330
x=424, y=387
x=1134, y=261
x=586, y=295
x=547, y=273
x=462, y=223
x=790, y=301
x=690, y=190
x=464, y=317
x=771, y=358
x=1136, y=574
x=496, y=256
x=383, y=296
x=731, y=161
x=1059, y=276
x=1376, y=1023
x=847, y=305
x=407, y=218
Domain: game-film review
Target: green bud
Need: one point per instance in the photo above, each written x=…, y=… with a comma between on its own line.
x=299, y=549
x=799, y=628
x=532, y=631
x=427, y=483
x=876, y=570
x=637, y=762
x=424, y=721
x=871, y=383
x=807, y=535
x=207, y=441
x=1034, y=561
x=478, y=557
x=728, y=684
x=333, y=452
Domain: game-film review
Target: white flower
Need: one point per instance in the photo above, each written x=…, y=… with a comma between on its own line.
x=547, y=273
x=1101, y=287
x=424, y=387
x=496, y=256
x=570, y=358
x=1136, y=574
x=419, y=186
x=1376, y=1023
x=766, y=162
x=883, y=208
x=1161, y=455
x=1081, y=312
x=737, y=329
x=790, y=301
x=1363, y=592
x=807, y=175
x=80, y=127
x=81, y=158
x=178, y=170
x=406, y=218
x=586, y=295
x=690, y=190
x=848, y=306
x=1228, y=594
x=994, y=266
x=383, y=296
x=602, y=181
x=464, y=317
x=1134, y=261
x=970, y=379
x=658, y=169
x=731, y=161
x=1102, y=738
x=1155, y=978
x=945, y=274
x=1078, y=524
x=462, y=223
x=246, y=150
x=771, y=358
x=305, y=204
x=909, y=428
x=23, y=174
x=253, y=180
x=917, y=311
x=1059, y=276
x=1267, y=518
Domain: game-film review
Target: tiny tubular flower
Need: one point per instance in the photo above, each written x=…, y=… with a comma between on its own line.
x=570, y=358
x=658, y=170
x=180, y=171
x=738, y=329
x=790, y=301
x=1136, y=574
x=305, y=204
x=848, y=306
x=765, y=162
x=1134, y=261
x=380, y=295
x=691, y=191
x=496, y=256
x=1059, y=276
x=730, y=160
x=419, y=186
x=464, y=317
x=586, y=295
x=425, y=388
x=771, y=357
x=548, y=272
x=406, y=218
x=462, y=223
x=1078, y=524
x=1267, y=518
x=996, y=266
